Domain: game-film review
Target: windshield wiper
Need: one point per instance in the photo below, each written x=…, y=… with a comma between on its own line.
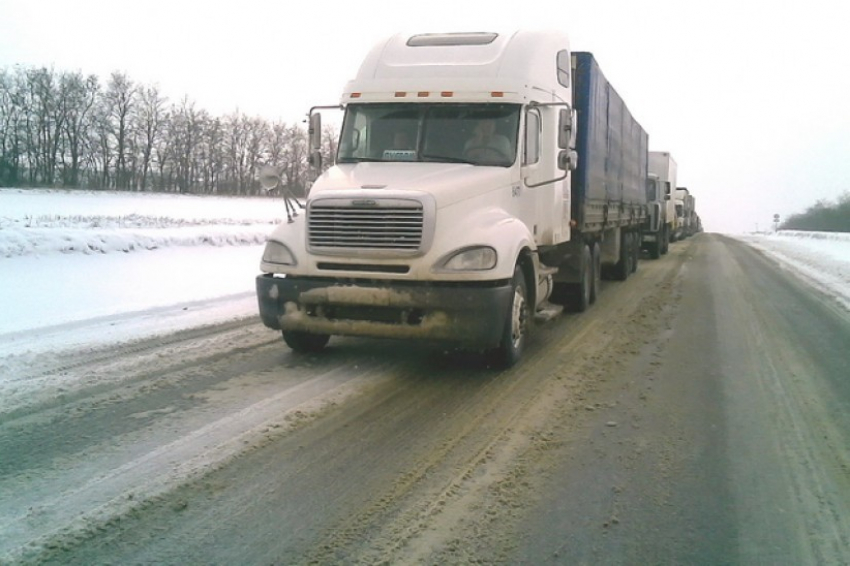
x=359, y=160
x=448, y=159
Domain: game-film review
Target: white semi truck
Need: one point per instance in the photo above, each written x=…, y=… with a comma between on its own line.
x=685, y=212
x=662, y=221
x=478, y=176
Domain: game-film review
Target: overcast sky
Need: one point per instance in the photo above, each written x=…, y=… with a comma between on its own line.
x=752, y=97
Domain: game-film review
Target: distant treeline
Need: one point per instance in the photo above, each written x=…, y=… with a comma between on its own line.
x=823, y=216
x=64, y=129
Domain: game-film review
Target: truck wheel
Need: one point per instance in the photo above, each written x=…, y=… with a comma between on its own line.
x=623, y=267
x=635, y=250
x=515, y=333
x=665, y=241
x=304, y=342
x=579, y=295
x=596, y=256
x=655, y=247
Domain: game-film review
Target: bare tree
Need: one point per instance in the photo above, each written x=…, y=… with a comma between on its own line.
x=123, y=136
x=45, y=109
x=295, y=160
x=150, y=116
x=80, y=95
x=120, y=97
x=185, y=132
x=12, y=122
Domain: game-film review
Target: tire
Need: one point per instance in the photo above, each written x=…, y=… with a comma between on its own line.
x=596, y=258
x=635, y=250
x=623, y=268
x=655, y=249
x=665, y=241
x=514, y=336
x=579, y=294
x=304, y=342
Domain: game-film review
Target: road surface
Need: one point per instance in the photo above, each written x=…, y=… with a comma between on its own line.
x=699, y=413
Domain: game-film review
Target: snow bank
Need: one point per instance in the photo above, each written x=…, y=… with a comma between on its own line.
x=64, y=284
x=40, y=221
x=821, y=258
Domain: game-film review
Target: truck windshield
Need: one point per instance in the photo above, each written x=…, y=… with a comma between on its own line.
x=479, y=134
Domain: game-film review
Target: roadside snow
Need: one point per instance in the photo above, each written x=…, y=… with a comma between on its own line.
x=88, y=268
x=821, y=258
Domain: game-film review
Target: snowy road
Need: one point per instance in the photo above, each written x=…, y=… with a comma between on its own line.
x=697, y=414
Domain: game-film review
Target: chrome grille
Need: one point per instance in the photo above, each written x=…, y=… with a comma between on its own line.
x=390, y=227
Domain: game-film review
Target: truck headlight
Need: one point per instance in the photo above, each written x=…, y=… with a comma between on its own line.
x=278, y=254
x=478, y=258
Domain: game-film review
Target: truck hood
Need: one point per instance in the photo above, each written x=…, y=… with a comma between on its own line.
x=449, y=183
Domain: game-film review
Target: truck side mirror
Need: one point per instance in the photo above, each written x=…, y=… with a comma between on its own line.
x=565, y=127
x=567, y=160
x=315, y=160
x=315, y=132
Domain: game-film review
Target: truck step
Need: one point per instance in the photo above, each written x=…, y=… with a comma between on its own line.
x=547, y=312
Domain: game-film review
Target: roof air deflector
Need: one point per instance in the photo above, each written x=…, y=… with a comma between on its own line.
x=451, y=39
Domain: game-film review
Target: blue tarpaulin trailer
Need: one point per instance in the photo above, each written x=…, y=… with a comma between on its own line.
x=609, y=183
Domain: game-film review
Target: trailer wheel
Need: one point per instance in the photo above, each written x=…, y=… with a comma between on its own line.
x=623, y=267
x=514, y=336
x=596, y=258
x=635, y=250
x=304, y=342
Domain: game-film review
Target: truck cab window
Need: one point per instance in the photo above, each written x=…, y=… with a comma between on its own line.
x=478, y=134
x=531, y=154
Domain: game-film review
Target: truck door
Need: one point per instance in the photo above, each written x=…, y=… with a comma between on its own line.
x=542, y=179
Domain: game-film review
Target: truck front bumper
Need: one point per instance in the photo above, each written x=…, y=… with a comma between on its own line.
x=472, y=315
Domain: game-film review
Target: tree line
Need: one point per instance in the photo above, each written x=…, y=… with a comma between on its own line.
x=823, y=216
x=67, y=129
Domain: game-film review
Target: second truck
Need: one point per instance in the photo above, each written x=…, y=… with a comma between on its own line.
x=479, y=178
x=662, y=221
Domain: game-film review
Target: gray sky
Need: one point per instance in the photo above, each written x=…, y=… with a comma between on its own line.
x=752, y=97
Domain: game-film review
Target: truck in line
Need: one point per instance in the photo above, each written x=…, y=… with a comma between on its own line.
x=687, y=219
x=482, y=180
x=661, y=224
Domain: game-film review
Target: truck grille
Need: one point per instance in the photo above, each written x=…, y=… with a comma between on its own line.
x=391, y=228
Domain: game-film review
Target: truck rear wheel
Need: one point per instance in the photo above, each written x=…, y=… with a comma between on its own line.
x=510, y=349
x=623, y=267
x=635, y=239
x=596, y=258
x=304, y=342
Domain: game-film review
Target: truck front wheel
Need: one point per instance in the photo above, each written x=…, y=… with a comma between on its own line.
x=515, y=333
x=304, y=342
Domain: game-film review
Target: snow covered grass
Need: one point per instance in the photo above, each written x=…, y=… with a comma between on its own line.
x=86, y=267
x=821, y=258
x=38, y=222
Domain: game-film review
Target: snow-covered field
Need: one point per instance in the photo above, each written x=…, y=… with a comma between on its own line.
x=82, y=268
x=95, y=267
